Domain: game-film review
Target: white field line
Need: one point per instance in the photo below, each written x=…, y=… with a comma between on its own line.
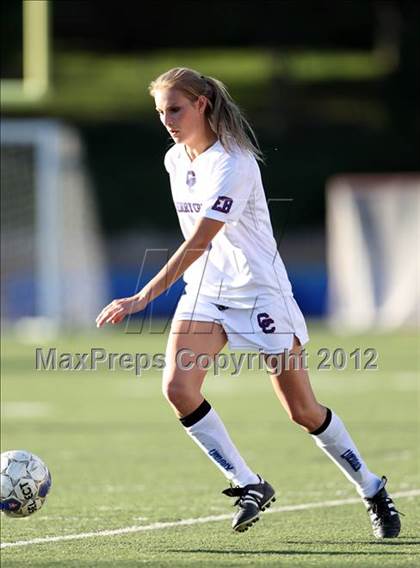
x=195, y=521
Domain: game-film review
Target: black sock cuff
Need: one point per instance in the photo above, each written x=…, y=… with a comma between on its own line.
x=196, y=415
x=324, y=425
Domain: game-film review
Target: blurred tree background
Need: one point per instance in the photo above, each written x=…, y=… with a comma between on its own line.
x=330, y=87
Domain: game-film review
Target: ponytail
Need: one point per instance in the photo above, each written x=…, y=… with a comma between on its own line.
x=223, y=114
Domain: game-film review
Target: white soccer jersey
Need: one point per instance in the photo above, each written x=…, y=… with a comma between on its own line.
x=242, y=267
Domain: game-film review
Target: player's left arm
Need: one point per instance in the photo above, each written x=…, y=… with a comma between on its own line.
x=190, y=250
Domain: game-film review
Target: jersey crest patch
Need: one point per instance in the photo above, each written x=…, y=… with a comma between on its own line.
x=223, y=204
x=191, y=179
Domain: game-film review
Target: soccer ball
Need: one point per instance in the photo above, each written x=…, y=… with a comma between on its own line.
x=25, y=483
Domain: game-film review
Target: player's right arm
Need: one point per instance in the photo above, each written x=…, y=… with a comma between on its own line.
x=190, y=250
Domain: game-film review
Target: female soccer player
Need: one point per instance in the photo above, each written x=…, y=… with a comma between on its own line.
x=237, y=290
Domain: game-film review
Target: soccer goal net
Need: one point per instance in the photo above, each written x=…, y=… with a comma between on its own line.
x=373, y=237
x=52, y=259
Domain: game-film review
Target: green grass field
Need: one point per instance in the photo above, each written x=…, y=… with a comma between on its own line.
x=119, y=459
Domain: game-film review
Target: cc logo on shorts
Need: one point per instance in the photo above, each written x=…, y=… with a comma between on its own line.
x=264, y=321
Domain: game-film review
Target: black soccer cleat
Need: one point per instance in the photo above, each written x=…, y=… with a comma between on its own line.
x=252, y=499
x=383, y=515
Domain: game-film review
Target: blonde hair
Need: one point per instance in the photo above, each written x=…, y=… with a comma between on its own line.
x=223, y=114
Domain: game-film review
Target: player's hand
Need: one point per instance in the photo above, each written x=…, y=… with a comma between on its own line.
x=116, y=311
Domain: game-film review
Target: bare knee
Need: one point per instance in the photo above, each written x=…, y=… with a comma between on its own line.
x=184, y=398
x=174, y=392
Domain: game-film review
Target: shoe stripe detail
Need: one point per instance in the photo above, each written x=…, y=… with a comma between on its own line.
x=249, y=500
x=257, y=493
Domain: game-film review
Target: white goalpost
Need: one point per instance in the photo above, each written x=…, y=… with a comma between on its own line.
x=373, y=236
x=52, y=258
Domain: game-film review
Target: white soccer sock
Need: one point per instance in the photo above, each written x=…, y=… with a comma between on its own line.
x=333, y=438
x=208, y=431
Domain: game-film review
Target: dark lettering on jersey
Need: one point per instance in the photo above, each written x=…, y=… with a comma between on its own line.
x=223, y=204
x=187, y=207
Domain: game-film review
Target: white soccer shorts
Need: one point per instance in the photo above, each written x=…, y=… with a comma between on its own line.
x=268, y=329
